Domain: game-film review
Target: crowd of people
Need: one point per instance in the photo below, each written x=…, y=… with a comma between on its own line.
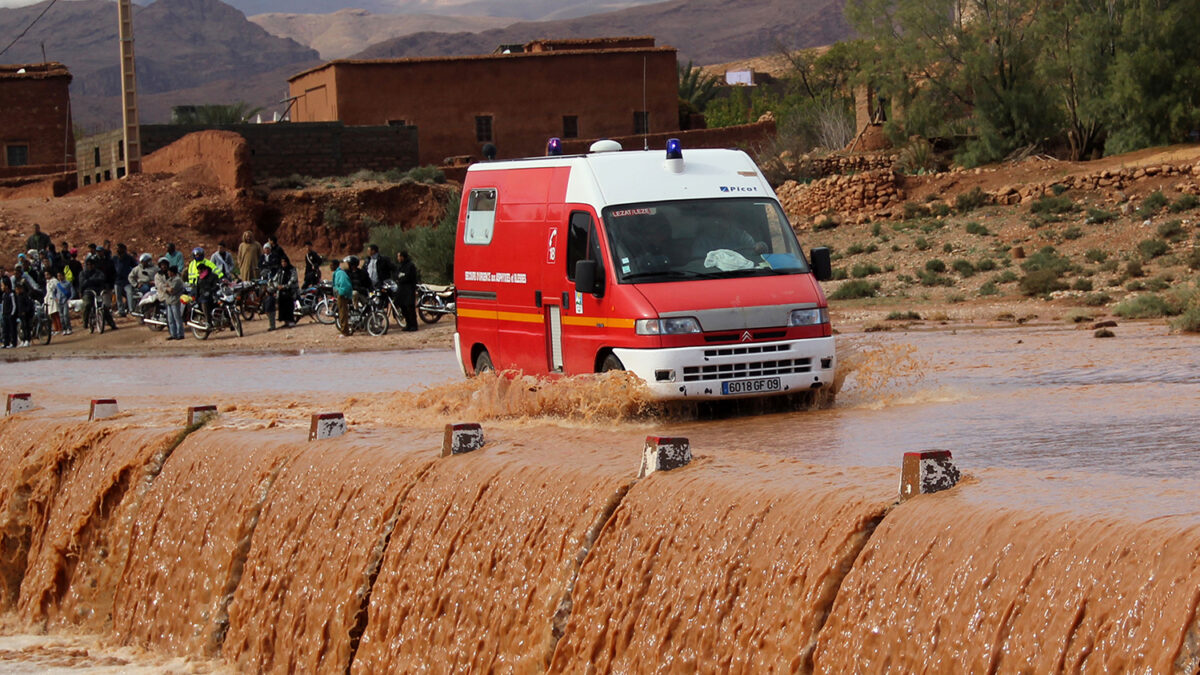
x=110, y=280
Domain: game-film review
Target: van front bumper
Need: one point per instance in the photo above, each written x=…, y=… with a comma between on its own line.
x=736, y=370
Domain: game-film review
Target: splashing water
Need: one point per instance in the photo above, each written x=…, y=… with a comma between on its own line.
x=874, y=374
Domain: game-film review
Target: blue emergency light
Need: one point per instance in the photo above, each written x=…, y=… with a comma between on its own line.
x=554, y=147
x=674, y=149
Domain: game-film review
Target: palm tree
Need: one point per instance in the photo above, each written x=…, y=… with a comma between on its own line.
x=695, y=87
x=213, y=114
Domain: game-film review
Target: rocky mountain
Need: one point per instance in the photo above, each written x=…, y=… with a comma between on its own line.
x=528, y=10
x=199, y=47
x=706, y=31
x=349, y=31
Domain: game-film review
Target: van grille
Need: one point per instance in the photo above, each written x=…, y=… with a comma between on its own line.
x=757, y=335
x=746, y=369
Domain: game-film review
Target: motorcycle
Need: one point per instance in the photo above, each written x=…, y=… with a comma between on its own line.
x=249, y=295
x=224, y=315
x=309, y=303
x=433, y=301
x=370, y=316
x=152, y=312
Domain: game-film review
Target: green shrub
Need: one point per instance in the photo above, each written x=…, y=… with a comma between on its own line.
x=857, y=288
x=976, y=228
x=1006, y=277
x=1097, y=299
x=935, y=265
x=1052, y=205
x=876, y=229
x=1136, y=285
x=931, y=278
x=1072, y=233
x=1172, y=230
x=970, y=200
x=332, y=218
x=1058, y=189
x=1152, y=204
x=922, y=244
x=1097, y=216
x=1157, y=284
x=431, y=248
x=913, y=210
x=947, y=248
x=940, y=209
x=1084, y=285
x=1188, y=322
x=1109, y=265
x=1148, y=306
x=986, y=265
x=1047, y=258
x=840, y=273
x=1184, y=203
x=1095, y=255
x=988, y=288
x=904, y=316
x=1152, y=248
x=826, y=223
x=855, y=249
x=864, y=270
x=963, y=267
x=1193, y=259
x=1041, y=282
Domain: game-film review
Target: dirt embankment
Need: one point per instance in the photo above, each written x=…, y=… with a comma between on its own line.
x=198, y=191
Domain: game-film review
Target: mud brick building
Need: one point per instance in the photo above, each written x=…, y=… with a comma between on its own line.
x=36, y=136
x=516, y=98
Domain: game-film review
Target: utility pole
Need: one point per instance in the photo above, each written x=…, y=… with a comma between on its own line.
x=129, y=113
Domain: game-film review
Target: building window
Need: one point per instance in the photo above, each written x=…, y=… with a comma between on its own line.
x=18, y=155
x=120, y=151
x=397, y=123
x=87, y=180
x=96, y=157
x=483, y=128
x=120, y=172
x=107, y=175
x=641, y=122
x=570, y=126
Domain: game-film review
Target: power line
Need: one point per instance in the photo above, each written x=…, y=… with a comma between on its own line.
x=27, y=28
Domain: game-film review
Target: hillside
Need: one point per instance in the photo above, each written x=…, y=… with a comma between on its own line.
x=202, y=46
x=348, y=31
x=526, y=10
x=702, y=30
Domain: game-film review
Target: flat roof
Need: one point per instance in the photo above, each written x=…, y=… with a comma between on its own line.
x=34, y=71
x=479, y=57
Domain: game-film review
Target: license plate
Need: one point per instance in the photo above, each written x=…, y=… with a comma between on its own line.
x=751, y=386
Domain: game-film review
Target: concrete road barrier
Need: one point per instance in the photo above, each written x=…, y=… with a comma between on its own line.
x=462, y=438
x=102, y=408
x=664, y=453
x=326, y=425
x=927, y=472
x=18, y=403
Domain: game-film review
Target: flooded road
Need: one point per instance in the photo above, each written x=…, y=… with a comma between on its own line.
x=1072, y=542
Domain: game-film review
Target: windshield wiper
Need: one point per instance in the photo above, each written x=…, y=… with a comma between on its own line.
x=669, y=274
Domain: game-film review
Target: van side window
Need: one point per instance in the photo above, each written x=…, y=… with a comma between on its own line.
x=481, y=217
x=582, y=242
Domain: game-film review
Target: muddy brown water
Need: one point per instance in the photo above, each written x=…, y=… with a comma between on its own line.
x=1073, y=542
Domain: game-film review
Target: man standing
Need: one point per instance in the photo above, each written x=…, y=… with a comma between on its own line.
x=343, y=290
x=38, y=240
x=123, y=264
x=407, y=278
x=312, y=266
x=249, y=251
x=140, y=278
x=174, y=257
x=223, y=260
x=379, y=269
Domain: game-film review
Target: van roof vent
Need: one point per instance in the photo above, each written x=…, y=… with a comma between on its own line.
x=605, y=145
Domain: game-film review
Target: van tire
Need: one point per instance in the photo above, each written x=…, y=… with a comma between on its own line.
x=483, y=363
x=611, y=362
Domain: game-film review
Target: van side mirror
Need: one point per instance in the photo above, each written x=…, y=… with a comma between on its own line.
x=585, y=278
x=822, y=267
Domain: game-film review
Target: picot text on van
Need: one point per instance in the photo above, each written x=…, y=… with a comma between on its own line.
x=682, y=269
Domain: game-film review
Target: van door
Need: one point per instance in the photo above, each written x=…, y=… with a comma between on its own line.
x=581, y=312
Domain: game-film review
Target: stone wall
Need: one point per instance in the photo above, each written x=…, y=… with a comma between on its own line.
x=1107, y=179
x=842, y=194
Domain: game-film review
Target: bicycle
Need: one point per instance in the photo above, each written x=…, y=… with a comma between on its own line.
x=42, y=330
x=95, y=315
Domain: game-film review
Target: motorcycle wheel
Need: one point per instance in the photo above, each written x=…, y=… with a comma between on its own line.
x=428, y=316
x=98, y=320
x=235, y=320
x=201, y=328
x=377, y=323
x=326, y=311
x=43, y=331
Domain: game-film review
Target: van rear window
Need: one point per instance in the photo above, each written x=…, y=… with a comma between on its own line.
x=481, y=217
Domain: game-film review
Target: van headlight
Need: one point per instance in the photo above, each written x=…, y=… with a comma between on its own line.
x=808, y=317
x=673, y=326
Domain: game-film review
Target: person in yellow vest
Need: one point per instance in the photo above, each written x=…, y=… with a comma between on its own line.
x=198, y=261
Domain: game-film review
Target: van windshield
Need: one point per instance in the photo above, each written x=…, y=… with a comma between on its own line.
x=701, y=238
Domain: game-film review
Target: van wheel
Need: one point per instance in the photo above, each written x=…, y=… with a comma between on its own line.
x=611, y=362
x=483, y=363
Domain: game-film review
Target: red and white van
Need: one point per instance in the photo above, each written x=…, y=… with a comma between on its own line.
x=682, y=269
